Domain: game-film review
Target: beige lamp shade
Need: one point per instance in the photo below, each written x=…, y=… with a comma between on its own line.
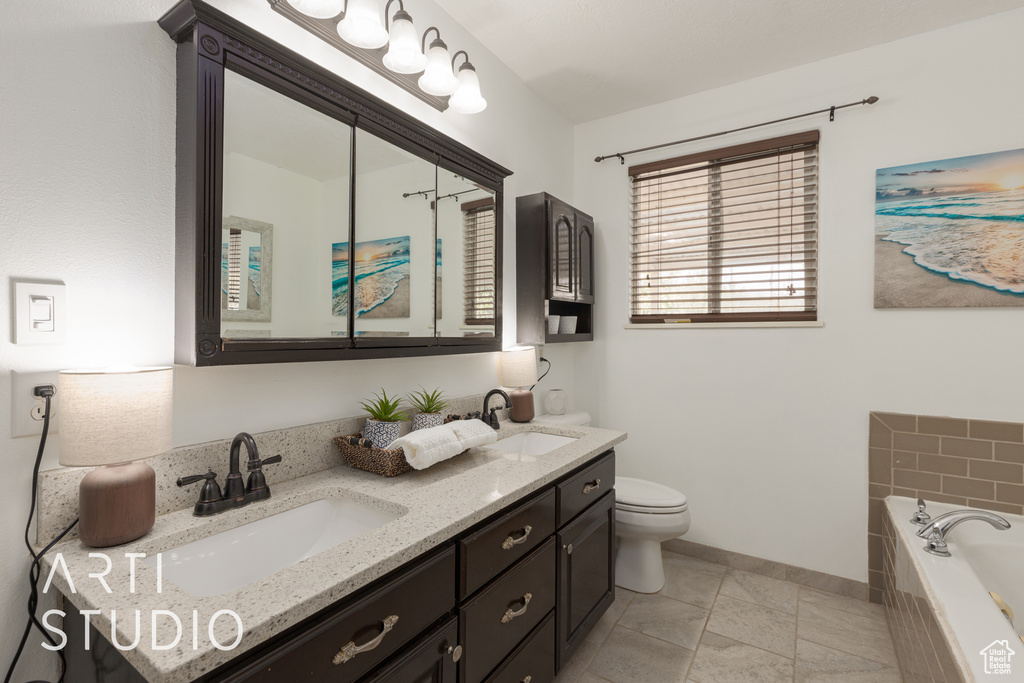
x=112, y=417
x=518, y=367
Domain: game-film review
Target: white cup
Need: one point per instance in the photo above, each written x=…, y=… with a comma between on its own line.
x=567, y=325
x=553, y=323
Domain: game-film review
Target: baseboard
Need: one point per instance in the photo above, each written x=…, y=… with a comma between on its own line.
x=776, y=570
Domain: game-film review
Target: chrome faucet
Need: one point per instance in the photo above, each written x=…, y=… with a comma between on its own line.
x=491, y=416
x=235, y=495
x=937, y=530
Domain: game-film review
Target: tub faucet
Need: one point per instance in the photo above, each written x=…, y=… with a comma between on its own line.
x=491, y=416
x=937, y=530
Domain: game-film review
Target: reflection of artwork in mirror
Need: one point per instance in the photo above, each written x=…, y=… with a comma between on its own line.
x=381, y=276
x=245, y=273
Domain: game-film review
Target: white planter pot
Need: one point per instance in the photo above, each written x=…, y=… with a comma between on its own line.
x=381, y=434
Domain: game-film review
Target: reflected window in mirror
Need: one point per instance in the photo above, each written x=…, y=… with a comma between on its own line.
x=394, y=255
x=288, y=166
x=467, y=265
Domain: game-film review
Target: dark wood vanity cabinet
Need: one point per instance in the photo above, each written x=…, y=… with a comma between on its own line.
x=430, y=660
x=554, y=268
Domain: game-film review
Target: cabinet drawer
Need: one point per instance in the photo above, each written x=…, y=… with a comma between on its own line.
x=418, y=597
x=496, y=620
x=585, y=487
x=486, y=552
x=428, y=660
x=533, y=660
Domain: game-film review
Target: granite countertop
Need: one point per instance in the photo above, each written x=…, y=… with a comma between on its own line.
x=436, y=504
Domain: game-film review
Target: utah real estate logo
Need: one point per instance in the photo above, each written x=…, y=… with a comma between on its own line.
x=997, y=657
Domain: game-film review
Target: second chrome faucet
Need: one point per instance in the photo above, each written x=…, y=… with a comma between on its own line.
x=212, y=501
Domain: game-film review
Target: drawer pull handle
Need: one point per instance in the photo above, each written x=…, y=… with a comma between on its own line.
x=592, y=486
x=510, y=615
x=509, y=542
x=351, y=650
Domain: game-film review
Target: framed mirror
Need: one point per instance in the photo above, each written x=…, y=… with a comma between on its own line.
x=316, y=222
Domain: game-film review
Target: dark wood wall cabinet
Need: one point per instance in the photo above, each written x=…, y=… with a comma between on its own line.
x=508, y=600
x=554, y=269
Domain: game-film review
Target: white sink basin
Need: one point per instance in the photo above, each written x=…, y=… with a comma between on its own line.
x=530, y=443
x=231, y=559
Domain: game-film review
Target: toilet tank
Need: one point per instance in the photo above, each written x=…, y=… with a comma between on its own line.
x=579, y=418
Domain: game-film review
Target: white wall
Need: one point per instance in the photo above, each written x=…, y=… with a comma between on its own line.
x=766, y=429
x=87, y=198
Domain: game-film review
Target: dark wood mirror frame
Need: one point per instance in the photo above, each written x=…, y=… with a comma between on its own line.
x=209, y=42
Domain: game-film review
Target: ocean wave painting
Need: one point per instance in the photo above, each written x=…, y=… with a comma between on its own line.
x=951, y=233
x=381, y=266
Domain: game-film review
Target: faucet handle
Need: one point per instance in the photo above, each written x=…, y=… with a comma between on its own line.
x=920, y=518
x=211, y=489
x=258, y=464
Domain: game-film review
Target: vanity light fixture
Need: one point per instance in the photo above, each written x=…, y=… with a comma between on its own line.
x=362, y=26
x=405, y=55
x=321, y=9
x=438, y=77
x=467, y=99
x=109, y=419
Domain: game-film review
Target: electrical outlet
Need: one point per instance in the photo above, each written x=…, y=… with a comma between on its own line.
x=27, y=408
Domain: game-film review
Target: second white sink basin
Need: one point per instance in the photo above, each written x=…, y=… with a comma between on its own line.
x=530, y=443
x=231, y=559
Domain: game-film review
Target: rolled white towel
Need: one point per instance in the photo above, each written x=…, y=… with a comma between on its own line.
x=426, y=447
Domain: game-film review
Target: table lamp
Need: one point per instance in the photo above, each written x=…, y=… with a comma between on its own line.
x=517, y=369
x=109, y=419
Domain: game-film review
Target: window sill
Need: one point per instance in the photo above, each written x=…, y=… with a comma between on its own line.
x=707, y=326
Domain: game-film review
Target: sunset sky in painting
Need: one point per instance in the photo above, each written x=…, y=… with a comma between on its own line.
x=963, y=175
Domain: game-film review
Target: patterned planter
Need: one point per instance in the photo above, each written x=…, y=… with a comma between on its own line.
x=427, y=420
x=381, y=434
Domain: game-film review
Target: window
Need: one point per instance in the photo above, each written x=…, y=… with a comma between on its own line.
x=478, y=262
x=728, y=235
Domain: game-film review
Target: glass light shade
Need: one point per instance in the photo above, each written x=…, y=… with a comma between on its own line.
x=320, y=9
x=517, y=367
x=404, y=54
x=362, y=25
x=437, y=78
x=467, y=99
x=107, y=418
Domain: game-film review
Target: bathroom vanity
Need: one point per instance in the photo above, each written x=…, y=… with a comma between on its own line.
x=495, y=568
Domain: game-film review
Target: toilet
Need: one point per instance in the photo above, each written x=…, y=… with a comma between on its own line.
x=646, y=513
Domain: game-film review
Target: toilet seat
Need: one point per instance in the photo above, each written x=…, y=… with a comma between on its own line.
x=640, y=495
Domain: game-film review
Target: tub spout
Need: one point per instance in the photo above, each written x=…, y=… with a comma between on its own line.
x=938, y=529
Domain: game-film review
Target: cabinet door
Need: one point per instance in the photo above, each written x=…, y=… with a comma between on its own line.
x=586, y=574
x=430, y=660
x=584, y=259
x=561, y=239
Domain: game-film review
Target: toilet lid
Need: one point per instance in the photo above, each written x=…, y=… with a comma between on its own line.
x=647, y=494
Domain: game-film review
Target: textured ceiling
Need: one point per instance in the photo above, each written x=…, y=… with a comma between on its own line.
x=594, y=58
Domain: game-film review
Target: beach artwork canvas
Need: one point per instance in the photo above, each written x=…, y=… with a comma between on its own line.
x=381, y=278
x=951, y=233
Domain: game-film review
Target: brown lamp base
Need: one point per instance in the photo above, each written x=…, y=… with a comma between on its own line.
x=116, y=504
x=522, y=405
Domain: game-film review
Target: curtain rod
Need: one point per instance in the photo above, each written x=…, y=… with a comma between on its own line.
x=831, y=117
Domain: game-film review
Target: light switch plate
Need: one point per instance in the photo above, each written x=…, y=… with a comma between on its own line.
x=48, y=303
x=23, y=401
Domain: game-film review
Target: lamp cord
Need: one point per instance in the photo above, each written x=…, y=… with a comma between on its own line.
x=545, y=372
x=35, y=569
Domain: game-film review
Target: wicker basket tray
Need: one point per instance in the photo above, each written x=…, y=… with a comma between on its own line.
x=360, y=454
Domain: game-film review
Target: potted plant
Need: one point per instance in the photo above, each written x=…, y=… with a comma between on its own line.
x=430, y=404
x=384, y=423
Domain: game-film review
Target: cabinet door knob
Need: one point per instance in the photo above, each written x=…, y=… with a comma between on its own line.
x=527, y=679
x=510, y=614
x=568, y=549
x=509, y=542
x=351, y=649
x=455, y=652
x=592, y=486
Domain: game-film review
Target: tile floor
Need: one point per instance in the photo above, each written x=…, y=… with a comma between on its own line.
x=712, y=624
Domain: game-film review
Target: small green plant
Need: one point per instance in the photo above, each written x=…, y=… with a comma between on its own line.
x=428, y=401
x=384, y=409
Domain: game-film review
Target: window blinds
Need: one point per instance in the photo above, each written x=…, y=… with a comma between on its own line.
x=478, y=262
x=728, y=235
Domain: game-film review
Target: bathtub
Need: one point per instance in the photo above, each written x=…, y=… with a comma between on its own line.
x=955, y=590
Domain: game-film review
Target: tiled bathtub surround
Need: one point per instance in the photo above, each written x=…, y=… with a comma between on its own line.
x=305, y=450
x=964, y=462
x=923, y=654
